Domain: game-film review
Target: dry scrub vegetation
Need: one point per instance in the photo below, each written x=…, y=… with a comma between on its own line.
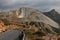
x=33, y=32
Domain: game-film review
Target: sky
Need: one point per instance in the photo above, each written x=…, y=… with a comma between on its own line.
x=42, y=5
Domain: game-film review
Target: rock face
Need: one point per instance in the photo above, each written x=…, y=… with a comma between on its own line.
x=53, y=15
x=28, y=15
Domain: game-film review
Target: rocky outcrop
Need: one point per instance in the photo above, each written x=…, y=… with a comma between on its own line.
x=12, y=35
x=53, y=14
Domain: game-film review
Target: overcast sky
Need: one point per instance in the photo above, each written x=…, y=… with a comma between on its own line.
x=43, y=5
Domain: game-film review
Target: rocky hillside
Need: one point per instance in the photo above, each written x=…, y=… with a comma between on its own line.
x=35, y=15
x=28, y=15
x=32, y=22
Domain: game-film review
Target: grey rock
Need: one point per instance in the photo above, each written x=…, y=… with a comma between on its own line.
x=11, y=35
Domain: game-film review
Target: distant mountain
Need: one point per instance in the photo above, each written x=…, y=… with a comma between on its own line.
x=53, y=15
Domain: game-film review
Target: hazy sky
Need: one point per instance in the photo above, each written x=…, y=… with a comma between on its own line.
x=42, y=5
